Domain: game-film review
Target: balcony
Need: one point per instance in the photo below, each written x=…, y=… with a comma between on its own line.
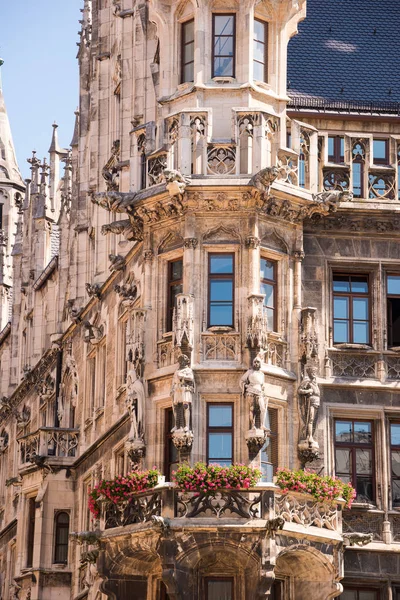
x=263, y=505
x=58, y=445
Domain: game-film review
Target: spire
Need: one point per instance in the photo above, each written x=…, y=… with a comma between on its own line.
x=75, y=137
x=55, y=146
x=9, y=171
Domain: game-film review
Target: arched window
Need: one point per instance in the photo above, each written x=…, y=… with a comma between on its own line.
x=61, y=525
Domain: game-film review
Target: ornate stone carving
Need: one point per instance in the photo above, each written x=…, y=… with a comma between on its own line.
x=393, y=367
x=295, y=508
x=363, y=522
x=381, y=185
x=111, y=169
x=117, y=262
x=252, y=242
x=336, y=179
x=288, y=167
x=257, y=325
x=176, y=182
x=127, y=291
x=93, y=290
x=167, y=354
x=119, y=202
x=220, y=346
x=4, y=439
x=221, y=159
x=155, y=169
x=23, y=417
x=135, y=403
x=326, y=202
x=353, y=365
x=253, y=390
x=183, y=321
x=309, y=401
x=135, y=336
x=191, y=243
x=182, y=391
x=308, y=335
x=73, y=311
x=224, y=503
x=357, y=539
x=262, y=181
x=138, y=509
x=92, y=333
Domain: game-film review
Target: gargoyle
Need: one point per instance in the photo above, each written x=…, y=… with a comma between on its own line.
x=118, y=227
x=117, y=262
x=176, y=182
x=92, y=333
x=118, y=202
x=263, y=180
x=326, y=202
x=357, y=539
x=74, y=312
x=93, y=290
x=274, y=525
x=24, y=416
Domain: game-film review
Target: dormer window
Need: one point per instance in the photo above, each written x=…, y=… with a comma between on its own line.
x=187, y=52
x=224, y=28
x=260, y=54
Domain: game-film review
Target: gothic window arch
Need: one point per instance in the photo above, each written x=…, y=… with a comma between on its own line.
x=61, y=533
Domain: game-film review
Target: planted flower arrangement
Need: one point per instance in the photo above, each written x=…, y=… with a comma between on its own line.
x=121, y=489
x=322, y=488
x=208, y=478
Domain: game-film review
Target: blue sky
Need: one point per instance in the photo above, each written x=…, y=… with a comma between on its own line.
x=40, y=72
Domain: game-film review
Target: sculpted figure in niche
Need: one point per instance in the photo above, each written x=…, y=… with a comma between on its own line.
x=309, y=396
x=252, y=386
x=135, y=403
x=182, y=391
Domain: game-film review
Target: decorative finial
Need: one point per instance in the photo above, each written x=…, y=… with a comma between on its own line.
x=1, y=62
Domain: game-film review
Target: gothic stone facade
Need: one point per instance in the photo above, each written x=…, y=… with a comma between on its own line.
x=200, y=217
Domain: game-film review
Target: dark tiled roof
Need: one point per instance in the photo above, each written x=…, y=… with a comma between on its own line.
x=347, y=50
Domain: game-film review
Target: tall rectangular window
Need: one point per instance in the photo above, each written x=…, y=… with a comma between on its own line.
x=175, y=287
x=393, y=309
x=219, y=588
x=260, y=50
x=30, y=532
x=187, y=51
x=220, y=289
x=269, y=452
x=351, y=313
x=220, y=434
x=354, y=456
x=380, y=149
x=336, y=149
x=61, y=533
x=395, y=462
x=223, y=50
x=171, y=458
x=268, y=287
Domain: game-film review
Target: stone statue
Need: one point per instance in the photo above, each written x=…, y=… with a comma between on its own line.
x=252, y=386
x=135, y=403
x=309, y=396
x=182, y=394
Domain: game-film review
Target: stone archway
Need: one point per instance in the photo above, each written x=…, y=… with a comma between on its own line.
x=310, y=573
